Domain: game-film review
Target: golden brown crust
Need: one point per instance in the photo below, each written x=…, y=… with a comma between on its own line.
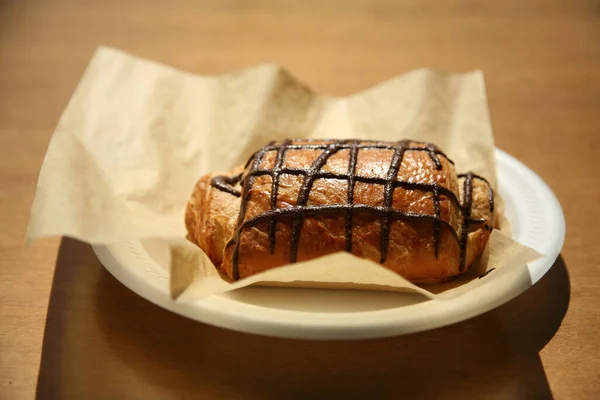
x=212, y=216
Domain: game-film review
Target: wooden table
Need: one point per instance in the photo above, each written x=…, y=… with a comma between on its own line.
x=96, y=339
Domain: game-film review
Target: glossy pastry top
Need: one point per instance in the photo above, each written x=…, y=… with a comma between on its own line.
x=375, y=193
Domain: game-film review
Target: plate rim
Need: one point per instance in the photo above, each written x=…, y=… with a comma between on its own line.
x=249, y=318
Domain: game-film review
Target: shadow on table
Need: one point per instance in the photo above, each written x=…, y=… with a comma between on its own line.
x=96, y=326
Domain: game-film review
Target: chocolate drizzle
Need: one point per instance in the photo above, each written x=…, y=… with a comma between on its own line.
x=388, y=197
x=309, y=179
x=226, y=183
x=466, y=212
x=386, y=212
x=436, y=223
x=351, y=183
x=486, y=273
x=274, y=192
x=481, y=178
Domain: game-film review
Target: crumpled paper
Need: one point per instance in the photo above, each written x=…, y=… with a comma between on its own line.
x=136, y=136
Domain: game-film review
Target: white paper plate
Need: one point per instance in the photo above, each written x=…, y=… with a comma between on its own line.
x=533, y=210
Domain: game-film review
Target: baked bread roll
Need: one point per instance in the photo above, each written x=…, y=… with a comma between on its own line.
x=400, y=204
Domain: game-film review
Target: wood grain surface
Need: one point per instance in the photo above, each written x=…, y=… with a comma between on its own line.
x=70, y=330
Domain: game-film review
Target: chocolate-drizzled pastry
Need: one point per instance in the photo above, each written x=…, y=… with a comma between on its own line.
x=397, y=203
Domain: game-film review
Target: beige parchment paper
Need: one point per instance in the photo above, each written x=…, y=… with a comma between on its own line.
x=136, y=135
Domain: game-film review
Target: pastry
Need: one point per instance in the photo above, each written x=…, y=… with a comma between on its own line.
x=400, y=204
